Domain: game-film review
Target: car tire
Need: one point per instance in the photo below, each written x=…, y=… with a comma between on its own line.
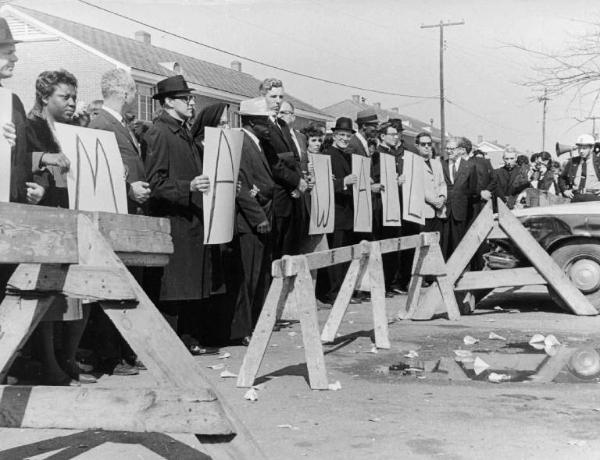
x=581, y=262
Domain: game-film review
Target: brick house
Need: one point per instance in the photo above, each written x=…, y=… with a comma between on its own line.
x=51, y=42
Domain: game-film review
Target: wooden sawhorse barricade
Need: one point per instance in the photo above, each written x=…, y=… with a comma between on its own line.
x=292, y=290
x=503, y=225
x=83, y=255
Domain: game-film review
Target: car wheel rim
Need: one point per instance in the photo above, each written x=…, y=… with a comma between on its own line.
x=585, y=274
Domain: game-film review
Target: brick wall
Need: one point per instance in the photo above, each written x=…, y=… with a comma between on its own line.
x=36, y=57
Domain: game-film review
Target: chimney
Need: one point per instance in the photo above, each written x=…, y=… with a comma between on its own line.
x=236, y=65
x=395, y=109
x=142, y=36
x=356, y=98
x=377, y=105
x=479, y=139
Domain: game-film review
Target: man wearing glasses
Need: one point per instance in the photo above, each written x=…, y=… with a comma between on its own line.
x=434, y=185
x=581, y=176
x=461, y=182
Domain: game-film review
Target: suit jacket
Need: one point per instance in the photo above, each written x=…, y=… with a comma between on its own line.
x=254, y=171
x=20, y=156
x=484, y=171
x=173, y=160
x=356, y=147
x=566, y=181
x=462, y=191
x=341, y=166
x=506, y=184
x=283, y=158
x=129, y=149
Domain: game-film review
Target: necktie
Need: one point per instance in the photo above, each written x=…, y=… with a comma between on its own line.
x=583, y=178
x=453, y=171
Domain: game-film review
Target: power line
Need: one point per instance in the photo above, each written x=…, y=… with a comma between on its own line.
x=481, y=117
x=254, y=61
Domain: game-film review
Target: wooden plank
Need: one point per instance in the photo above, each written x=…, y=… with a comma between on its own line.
x=278, y=293
x=344, y=254
x=309, y=323
x=414, y=286
x=540, y=259
x=44, y=234
x=37, y=234
x=139, y=259
x=135, y=233
x=448, y=297
x=380, y=321
x=18, y=319
x=492, y=279
x=340, y=306
x=79, y=281
x=171, y=410
x=511, y=361
x=551, y=368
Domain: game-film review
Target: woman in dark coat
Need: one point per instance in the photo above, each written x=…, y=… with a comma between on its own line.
x=174, y=172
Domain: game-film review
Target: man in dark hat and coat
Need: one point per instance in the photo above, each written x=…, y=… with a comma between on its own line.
x=343, y=180
x=174, y=172
x=367, y=122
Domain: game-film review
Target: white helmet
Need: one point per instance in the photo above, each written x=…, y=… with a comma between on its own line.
x=585, y=139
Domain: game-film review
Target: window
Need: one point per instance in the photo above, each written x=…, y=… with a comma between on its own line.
x=145, y=103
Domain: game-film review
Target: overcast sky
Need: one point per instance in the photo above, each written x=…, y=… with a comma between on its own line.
x=379, y=44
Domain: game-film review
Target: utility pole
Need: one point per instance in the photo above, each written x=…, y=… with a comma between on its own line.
x=441, y=25
x=593, y=124
x=545, y=100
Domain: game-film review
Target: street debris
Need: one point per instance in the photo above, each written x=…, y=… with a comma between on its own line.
x=468, y=340
x=479, y=365
x=227, y=375
x=494, y=336
x=224, y=355
x=288, y=426
x=411, y=354
x=547, y=343
x=374, y=419
x=251, y=395
x=372, y=350
x=335, y=386
x=216, y=367
x=292, y=334
x=383, y=370
x=498, y=378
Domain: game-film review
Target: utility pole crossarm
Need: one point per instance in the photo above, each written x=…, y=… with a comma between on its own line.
x=441, y=26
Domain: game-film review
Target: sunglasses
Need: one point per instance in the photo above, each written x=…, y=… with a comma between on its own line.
x=425, y=144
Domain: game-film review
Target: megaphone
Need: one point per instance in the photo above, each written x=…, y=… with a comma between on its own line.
x=563, y=148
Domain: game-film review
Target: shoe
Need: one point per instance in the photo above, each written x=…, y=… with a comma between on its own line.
x=124, y=369
x=355, y=299
x=246, y=340
x=323, y=305
x=86, y=379
x=198, y=350
x=389, y=294
x=399, y=290
x=84, y=367
x=139, y=365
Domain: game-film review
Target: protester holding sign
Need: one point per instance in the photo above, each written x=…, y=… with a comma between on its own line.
x=174, y=172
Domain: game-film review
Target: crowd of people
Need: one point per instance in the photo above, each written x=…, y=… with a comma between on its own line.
x=212, y=295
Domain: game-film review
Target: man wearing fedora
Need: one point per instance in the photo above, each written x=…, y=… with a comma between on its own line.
x=254, y=221
x=343, y=179
x=367, y=122
x=174, y=172
x=23, y=188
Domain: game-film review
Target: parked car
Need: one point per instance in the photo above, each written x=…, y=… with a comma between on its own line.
x=570, y=233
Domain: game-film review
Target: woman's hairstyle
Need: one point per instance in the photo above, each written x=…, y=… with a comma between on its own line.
x=47, y=81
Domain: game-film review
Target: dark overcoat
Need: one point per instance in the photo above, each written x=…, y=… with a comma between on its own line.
x=173, y=160
x=341, y=166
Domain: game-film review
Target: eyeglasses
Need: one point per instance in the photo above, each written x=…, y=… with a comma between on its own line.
x=187, y=99
x=392, y=134
x=286, y=112
x=425, y=144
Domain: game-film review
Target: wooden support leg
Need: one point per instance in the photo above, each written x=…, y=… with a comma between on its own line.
x=552, y=367
x=18, y=319
x=414, y=287
x=354, y=273
x=448, y=297
x=274, y=304
x=380, y=321
x=307, y=312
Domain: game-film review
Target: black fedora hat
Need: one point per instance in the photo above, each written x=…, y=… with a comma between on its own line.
x=6, y=37
x=343, y=124
x=172, y=86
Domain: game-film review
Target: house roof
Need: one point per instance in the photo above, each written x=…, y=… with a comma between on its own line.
x=349, y=108
x=148, y=58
